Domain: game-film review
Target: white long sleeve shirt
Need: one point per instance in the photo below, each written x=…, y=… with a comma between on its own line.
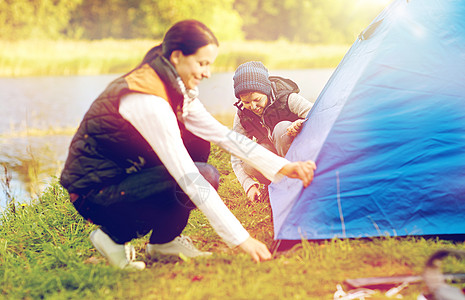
x=154, y=118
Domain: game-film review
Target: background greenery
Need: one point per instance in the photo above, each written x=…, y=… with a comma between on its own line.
x=303, y=21
x=79, y=57
x=89, y=37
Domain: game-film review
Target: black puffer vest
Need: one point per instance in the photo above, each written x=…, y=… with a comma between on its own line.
x=106, y=147
x=278, y=110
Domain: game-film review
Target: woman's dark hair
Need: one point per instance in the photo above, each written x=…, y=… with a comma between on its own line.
x=187, y=36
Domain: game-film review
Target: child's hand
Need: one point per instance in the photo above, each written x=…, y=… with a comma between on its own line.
x=295, y=127
x=253, y=193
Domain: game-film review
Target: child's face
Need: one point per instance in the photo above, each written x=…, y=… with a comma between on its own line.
x=255, y=101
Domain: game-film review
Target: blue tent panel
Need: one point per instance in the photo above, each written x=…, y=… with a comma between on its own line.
x=387, y=133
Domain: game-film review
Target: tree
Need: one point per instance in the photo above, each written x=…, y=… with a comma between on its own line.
x=307, y=21
x=98, y=19
x=219, y=15
x=22, y=19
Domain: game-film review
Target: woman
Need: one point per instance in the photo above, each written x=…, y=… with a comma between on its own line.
x=270, y=110
x=128, y=158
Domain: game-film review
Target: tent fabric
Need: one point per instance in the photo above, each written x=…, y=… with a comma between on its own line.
x=387, y=133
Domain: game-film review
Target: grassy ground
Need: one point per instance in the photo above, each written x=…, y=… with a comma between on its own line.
x=57, y=58
x=45, y=253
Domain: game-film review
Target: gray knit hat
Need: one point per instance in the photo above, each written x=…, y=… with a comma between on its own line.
x=251, y=76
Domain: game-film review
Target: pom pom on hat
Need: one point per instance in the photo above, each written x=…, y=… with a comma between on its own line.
x=251, y=76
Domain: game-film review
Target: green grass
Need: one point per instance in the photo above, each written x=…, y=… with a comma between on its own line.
x=65, y=57
x=45, y=253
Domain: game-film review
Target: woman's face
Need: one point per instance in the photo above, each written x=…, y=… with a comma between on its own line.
x=193, y=68
x=256, y=102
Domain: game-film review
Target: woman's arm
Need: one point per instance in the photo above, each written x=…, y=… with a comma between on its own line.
x=202, y=124
x=155, y=120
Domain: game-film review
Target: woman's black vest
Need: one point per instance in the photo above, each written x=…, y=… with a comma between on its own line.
x=106, y=147
x=278, y=110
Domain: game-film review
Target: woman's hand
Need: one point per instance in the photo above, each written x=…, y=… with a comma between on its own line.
x=253, y=193
x=302, y=170
x=295, y=127
x=256, y=249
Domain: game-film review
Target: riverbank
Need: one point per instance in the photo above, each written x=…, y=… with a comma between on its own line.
x=66, y=57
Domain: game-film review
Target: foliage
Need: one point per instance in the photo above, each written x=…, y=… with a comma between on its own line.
x=98, y=19
x=65, y=57
x=309, y=21
x=35, y=18
x=218, y=15
x=45, y=253
x=306, y=21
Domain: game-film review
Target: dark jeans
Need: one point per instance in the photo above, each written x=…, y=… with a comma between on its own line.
x=198, y=148
x=144, y=201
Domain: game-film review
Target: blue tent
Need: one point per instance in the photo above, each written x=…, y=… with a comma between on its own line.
x=387, y=134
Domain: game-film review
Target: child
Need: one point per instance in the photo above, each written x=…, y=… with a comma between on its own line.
x=270, y=110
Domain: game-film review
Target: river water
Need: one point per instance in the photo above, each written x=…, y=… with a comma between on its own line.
x=34, y=109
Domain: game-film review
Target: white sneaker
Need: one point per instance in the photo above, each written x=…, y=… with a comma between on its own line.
x=121, y=256
x=180, y=245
